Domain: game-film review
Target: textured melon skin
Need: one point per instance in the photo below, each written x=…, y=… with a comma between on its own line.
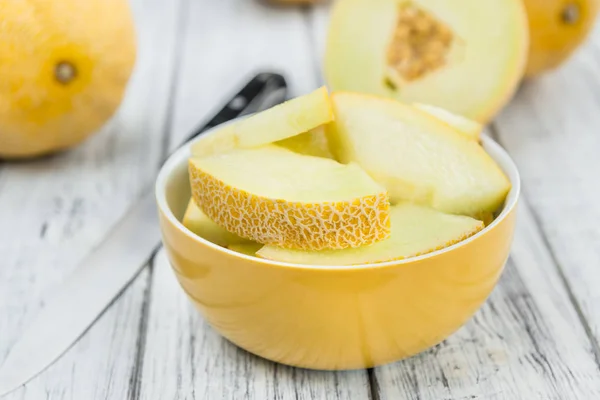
x=416, y=231
x=318, y=225
x=483, y=72
x=269, y=221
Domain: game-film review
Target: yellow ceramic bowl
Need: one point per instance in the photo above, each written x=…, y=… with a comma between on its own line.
x=325, y=317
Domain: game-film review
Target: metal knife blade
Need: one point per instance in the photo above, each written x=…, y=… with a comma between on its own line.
x=79, y=300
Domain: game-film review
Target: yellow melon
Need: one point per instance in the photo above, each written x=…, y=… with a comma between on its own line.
x=274, y=196
x=557, y=28
x=64, y=68
x=416, y=230
x=461, y=55
x=280, y=122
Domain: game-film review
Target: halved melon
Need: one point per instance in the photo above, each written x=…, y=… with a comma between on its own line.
x=277, y=123
x=471, y=129
x=416, y=156
x=249, y=249
x=416, y=230
x=199, y=223
x=311, y=143
x=274, y=196
x=462, y=55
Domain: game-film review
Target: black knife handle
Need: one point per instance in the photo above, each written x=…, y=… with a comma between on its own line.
x=261, y=85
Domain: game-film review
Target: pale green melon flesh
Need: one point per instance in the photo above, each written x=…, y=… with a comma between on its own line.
x=480, y=74
x=415, y=156
x=471, y=129
x=282, y=121
x=278, y=173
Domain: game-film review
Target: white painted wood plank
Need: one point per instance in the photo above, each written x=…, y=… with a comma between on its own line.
x=318, y=17
x=53, y=212
x=552, y=129
x=227, y=43
x=186, y=359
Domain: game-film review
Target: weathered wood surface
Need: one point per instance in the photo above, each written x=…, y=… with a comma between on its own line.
x=55, y=210
x=535, y=338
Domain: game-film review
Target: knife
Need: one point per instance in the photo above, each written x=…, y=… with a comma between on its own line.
x=80, y=300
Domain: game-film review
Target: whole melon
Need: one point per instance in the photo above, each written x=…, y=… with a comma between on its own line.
x=557, y=28
x=64, y=68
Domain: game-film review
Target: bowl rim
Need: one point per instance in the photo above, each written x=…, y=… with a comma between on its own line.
x=182, y=154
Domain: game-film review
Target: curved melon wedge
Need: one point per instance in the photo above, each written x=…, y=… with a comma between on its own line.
x=416, y=230
x=471, y=129
x=416, y=156
x=274, y=196
x=462, y=55
x=199, y=223
x=282, y=121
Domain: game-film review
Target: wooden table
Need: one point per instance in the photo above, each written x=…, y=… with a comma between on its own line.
x=537, y=337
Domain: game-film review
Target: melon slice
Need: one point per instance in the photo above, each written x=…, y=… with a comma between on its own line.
x=471, y=129
x=462, y=55
x=416, y=230
x=311, y=143
x=274, y=196
x=199, y=223
x=277, y=123
x=416, y=156
x=249, y=249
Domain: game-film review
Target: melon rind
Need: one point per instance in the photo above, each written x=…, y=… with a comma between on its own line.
x=416, y=230
x=352, y=221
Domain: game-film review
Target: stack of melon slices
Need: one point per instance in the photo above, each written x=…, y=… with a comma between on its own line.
x=343, y=179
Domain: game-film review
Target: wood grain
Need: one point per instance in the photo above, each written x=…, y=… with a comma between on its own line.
x=227, y=43
x=53, y=211
x=552, y=130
